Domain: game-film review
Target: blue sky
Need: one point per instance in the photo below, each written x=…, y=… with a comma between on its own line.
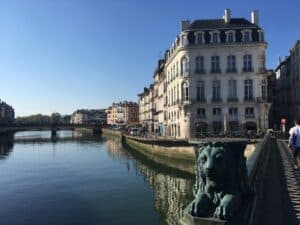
x=58, y=56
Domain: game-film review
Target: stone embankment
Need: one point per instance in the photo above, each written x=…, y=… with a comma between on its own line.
x=178, y=154
x=175, y=154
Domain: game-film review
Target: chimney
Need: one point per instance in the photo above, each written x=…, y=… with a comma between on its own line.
x=254, y=17
x=227, y=15
x=185, y=24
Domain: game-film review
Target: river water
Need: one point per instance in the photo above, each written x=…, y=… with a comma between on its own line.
x=86, y=180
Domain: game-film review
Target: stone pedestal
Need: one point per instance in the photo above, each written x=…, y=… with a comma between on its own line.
x=188, y=219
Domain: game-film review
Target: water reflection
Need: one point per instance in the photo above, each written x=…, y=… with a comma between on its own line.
x=77, y=160
x=172, y=189
x=6, y=145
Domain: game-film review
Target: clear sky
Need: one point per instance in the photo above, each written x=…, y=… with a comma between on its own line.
x=58, y=56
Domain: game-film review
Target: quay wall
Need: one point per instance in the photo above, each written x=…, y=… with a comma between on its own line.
x=112, y=132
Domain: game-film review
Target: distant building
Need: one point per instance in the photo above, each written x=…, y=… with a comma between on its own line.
x=123, y=113
x=7, y=113
x=88, y=116
x=288, y=86
x=212, y=80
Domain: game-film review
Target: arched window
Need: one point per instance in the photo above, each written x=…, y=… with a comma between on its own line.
x=184, y=66
x=185, y=91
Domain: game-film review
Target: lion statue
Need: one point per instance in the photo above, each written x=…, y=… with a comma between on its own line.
x=222, y=179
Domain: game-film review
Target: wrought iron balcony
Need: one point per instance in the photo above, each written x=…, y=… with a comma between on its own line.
x=249, y=99
x=246, y=70
x=215, y=70
x=200, y=71
x=216, y=99
x=232, y=99
x=231, y=70
x=201, y=100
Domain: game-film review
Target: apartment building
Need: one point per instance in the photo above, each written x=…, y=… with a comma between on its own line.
x=123, y=113
x=215, y=79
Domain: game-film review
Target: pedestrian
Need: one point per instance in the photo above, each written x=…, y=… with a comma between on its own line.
x=294, y=142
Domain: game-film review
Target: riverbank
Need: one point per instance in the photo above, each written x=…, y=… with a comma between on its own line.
x=184, y=162
x=112, y=132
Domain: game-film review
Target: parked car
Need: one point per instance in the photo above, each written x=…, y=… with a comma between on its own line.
x=134, y=131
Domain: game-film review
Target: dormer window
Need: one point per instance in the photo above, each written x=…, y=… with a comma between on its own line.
x=247, y=36
x=261, y=35
x=184, y=40
x=230, y=37
x=215, y=37
x=199, y=38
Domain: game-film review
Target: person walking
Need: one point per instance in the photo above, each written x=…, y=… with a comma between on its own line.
x=294, y=142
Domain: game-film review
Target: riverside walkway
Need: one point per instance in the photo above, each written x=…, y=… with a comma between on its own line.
x=281, y=195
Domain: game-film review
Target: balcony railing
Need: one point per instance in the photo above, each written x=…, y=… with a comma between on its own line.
x=201, y=116
x=233, y=118
x=200, y=71
x=216, y=99
x=217, y=118
x=249, y=99
x=185, y=73
x=246, y=70
x=232, y=99
x=215, y=70
x=263, y=99
x=249, y=116
x=201, y=100
x=231, y=70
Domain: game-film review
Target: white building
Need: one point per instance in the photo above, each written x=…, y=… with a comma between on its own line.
x=214, y=78
x=88, y=116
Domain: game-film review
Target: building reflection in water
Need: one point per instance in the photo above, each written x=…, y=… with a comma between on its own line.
x=172, y=190
x=6, y=145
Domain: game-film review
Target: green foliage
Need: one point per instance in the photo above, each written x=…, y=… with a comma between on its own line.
x=39, y=119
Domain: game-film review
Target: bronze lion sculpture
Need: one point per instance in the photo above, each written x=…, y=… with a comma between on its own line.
x=222, y=179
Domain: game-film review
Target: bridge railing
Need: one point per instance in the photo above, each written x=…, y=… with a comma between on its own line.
x=257, y=165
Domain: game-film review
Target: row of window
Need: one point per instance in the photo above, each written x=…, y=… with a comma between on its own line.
x=215, y=66
x=215, y=37
x=173, y=94
x=233, y=112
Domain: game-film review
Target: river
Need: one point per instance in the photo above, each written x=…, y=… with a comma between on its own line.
x=86, y=180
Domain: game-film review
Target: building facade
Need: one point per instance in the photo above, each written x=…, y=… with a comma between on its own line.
x=7, y=113
x=287, y=103
x=215, y=79
x=88, y=116
x=123, y=113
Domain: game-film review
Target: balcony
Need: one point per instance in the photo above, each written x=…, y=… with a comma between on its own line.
x=185, y=102
x=249, y=99
x=232, y=99
x=185, y=73
x=263, y=100
x=200, y=71
x=216, y=99
x=249, y=116
x=217, y=118
x=200, y=116
x=217, y=70
x=231, y=70
x=233, y=118
x=201, y=100
x=247, y=70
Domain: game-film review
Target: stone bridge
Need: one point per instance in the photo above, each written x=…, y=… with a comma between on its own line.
x=51, y=127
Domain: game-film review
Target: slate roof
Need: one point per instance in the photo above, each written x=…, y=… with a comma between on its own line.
x=220, y=24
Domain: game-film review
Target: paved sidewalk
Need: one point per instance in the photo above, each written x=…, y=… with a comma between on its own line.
x=280, y=189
